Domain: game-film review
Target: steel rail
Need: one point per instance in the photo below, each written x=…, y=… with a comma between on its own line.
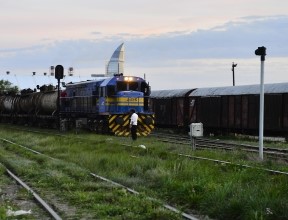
x=35, y=195
x=204, y=143
x=26, y=148
x=230, y=146
x=171, y=208
x=234, y=164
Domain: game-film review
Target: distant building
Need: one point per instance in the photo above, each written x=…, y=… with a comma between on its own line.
x=116, y=63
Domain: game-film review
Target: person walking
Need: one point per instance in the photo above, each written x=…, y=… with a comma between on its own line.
x=133, y=124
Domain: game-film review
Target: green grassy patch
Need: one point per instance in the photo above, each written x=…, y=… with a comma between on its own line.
x=218, y=190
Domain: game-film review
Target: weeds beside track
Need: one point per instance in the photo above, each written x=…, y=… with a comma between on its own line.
x=218, y=189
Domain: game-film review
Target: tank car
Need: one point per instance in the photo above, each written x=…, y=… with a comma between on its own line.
x=7, y=107
x=30, y=107
x=8, y=104
x=103, y=105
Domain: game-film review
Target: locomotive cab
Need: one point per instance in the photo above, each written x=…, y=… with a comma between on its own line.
x=118, y=96
x=121, y=93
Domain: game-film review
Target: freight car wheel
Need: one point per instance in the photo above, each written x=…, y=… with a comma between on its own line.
x=31, y=121
x=105, y=126
x=98, y=125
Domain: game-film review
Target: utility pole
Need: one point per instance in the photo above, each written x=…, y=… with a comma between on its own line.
x=233, y=66
x=261, y=51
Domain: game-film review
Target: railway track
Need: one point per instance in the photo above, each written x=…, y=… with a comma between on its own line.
x=205, y=143
x=37, y=198
x=215, y=144
x=48, y=201
x=178, y=139
x=108, y=181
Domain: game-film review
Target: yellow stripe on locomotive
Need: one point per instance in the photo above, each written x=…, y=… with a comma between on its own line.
x=125, y=101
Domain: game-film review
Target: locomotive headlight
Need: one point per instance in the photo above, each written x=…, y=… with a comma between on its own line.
x=126, y=78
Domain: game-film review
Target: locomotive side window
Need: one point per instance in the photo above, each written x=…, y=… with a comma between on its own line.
x=102, y=91
x=95, y=95
x=96, y=91
x=145, y=89
x=110, y=90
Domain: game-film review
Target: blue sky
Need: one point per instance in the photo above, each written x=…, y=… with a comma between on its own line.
x=177, y=44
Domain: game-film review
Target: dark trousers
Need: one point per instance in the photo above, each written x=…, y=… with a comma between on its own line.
x=134, y=132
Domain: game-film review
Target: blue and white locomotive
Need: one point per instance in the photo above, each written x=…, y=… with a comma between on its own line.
x=104, y=105
x=101, y=105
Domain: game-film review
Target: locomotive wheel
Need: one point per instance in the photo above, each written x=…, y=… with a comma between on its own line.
x=99, y=125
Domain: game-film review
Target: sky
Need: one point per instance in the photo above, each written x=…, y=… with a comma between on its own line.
x=175, y=44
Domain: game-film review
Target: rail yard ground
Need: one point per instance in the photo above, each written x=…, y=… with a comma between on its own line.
x=202, y=188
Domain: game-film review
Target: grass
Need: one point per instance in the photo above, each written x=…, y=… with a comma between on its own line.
x=218, y=190
x=99, y=199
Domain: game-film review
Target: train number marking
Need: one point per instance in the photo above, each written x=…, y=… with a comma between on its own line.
x=132, y=99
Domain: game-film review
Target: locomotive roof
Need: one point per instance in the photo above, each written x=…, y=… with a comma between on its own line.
x=114, y=79
x=86, y=82
x=241, y=90
x=169, y=93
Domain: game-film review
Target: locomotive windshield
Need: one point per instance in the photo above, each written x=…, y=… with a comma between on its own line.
x=126, y=86
x=134, y=86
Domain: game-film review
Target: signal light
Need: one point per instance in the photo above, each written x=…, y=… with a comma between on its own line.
x=59, y=72
x=261, y=51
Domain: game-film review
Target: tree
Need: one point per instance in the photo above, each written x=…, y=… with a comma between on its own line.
x=7, y=87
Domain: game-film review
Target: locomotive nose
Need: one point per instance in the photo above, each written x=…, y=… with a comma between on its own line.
x=119, y=121
x=149, y=121
x=119, y=124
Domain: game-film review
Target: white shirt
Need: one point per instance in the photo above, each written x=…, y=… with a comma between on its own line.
x=133, y=119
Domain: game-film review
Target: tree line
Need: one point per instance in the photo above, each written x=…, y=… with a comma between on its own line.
x=7, y=87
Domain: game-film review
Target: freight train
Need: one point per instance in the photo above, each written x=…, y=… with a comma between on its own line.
x=232, y=109
x=101, y=105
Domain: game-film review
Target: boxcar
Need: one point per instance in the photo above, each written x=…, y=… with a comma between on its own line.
x=223, y=109
x=236, y=108
x=171, y=107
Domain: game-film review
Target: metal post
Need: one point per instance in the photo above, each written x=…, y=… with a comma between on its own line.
x=261, y=51
x=261, y=113
x=59, y=74
x=193, y=141
x=58, y=104
x=233, y=66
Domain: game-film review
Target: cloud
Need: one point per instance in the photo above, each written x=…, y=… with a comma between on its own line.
x=236, y=39
x=233, y=39
x=96, y=33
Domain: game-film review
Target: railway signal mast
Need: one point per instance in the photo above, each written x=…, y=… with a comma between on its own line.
x=261, y=51
x=59, y=74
